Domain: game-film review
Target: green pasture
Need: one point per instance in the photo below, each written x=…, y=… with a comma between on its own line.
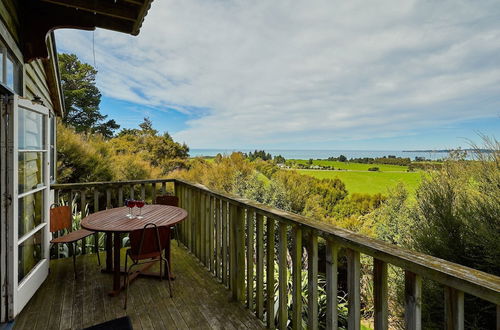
x=353, y=166
x=370, y=182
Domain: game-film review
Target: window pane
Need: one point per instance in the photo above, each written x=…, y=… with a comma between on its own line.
x=1, y=64
x=30, y=171
x=31, y=130
x=30, y=210
x=10, y=73
x=30, y=253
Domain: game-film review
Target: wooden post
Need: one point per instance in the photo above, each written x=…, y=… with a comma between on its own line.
x=143, y=192
x=108, y=198
x=380, y=294
x=259, y=298
x=250, y=252
x=240, y=253
x=153, y=192
x=131, y=188
x=312, y=283
x=353, y=290
x=211, y=236
x=163, y=188
x=454, y=309
x=225, y=267
x=232, y=250
x=201, y=226
x=96, y=209
x=413, y=296
x=331, y=285
x=120, y=196
x=83, y=204
x=270, y=273
x=283, y=280
x=297, y=278
x=218, y=237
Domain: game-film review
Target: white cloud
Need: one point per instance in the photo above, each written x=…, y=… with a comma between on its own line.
x=284, y=73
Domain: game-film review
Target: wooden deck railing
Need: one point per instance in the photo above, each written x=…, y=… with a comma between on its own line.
x=240, y=241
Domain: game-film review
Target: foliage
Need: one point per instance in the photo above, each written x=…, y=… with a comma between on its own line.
x=259, y=154
x=82, y=97
x=134, y=154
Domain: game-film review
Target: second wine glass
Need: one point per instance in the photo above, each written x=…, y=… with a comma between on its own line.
x=140, y=204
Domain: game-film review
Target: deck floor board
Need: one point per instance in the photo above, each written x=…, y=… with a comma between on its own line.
x=199, y=301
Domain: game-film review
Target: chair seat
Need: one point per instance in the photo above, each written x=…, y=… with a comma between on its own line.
x=73, y=236
x=143, y=256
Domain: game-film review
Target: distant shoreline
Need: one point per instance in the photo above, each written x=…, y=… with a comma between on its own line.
x=450, y=150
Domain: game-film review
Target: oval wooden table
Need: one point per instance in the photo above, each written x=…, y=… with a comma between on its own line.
x=115, y=222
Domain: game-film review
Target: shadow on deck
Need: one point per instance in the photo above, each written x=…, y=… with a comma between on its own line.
x=199, y=300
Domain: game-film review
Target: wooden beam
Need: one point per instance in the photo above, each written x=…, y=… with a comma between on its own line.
x=380, y=292
x=107, y=8
x=413, y=297
x=453, y=309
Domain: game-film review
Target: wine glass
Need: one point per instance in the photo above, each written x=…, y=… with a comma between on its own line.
x=129, y=215
x=131, y=204
x=140, y=204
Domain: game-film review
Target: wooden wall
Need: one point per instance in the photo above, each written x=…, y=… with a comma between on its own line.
x=39, y=77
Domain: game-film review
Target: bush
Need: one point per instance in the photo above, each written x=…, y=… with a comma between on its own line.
x=374, y=169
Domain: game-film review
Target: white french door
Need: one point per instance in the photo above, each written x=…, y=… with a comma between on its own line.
x=28, y=220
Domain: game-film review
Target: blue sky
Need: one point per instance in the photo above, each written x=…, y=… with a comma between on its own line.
x=385, y=75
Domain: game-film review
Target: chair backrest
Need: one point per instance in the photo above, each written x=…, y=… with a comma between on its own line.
x=167, y=200
x=60, y=218
x=149, y=240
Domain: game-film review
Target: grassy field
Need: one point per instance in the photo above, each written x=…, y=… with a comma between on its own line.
x=353, y=166
x=370, y=182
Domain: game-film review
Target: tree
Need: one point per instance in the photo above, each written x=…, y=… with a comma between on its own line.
x=342, y=158
x=82, y=97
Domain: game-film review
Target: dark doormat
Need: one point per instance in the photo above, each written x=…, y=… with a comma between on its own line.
x=122, y=323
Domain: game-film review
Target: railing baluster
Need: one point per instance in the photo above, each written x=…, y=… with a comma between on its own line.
x=259, y=298
x=201, y=226
x=131, y=192
x=250, y=253
x=108, y=198
x=120, y=195
x=153, y=193
x=331, y=285
x=96, y=209
x=143, y=192
x=312, y=283
x=283, y=280
x=353, y=290
x=380, y=294
x=240, y=253
x=218, y=226
x=270, y=273
x=83, y=203
x=225, y=266
x=211, y=230
x=297, y=278
x=454, y=309
x=163, y=188
x=413, y=296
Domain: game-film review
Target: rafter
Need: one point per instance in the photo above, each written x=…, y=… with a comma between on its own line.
x=107, y=8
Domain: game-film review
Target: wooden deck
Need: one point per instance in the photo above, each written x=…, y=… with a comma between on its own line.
x=199, y=301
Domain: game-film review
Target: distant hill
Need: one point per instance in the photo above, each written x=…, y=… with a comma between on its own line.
x=450, y=150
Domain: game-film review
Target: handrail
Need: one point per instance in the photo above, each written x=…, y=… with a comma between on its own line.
x=75, y=186
x=475, y=282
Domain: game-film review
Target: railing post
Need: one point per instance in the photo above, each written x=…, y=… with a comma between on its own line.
x=380, y=294
x=225, y=263
x=120, y=195
x=297, y=278
x=413, y=296
x=250, y=252
x=353, y=290
x=454, y=308
x=218, y=237
x=211, y=237
x=201, y=226
x=331, y=285
x=96, y=209
x=131, y=187
x=163, y=188
x=232, y=250
x=312, y=281
x=259, y=298
x=108, y=198
x=143, y=192
x=283, y=280
x=240, y=253
x=83, y=203
x=270, y=273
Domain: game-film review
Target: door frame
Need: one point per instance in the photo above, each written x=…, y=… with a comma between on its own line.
x=21, y=292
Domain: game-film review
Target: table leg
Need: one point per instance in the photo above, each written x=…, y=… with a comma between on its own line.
x=109, y=252
x=116, y=272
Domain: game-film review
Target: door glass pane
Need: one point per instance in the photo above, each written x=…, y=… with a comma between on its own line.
x=30, y=212
x=10, y=73
x=1, y=64
x=30, y=171
x=30, y=253
x=31, y=130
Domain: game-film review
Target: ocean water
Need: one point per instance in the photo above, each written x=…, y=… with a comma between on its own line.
x=323, y=154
